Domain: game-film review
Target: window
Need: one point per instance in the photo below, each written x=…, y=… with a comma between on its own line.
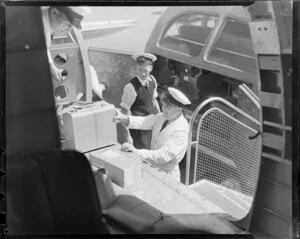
x=63, y=39
x=234, y=47
x=188, y=34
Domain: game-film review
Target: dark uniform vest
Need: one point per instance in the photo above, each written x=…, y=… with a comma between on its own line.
x=143, y=104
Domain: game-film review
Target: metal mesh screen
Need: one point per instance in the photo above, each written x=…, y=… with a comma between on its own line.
x=225, y=154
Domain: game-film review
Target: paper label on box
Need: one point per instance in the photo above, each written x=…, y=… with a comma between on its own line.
x=110, y=154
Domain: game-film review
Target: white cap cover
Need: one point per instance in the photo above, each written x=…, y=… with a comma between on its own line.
x=179, y=96
x=75, y=14
x=139, y=57
x=83, y=11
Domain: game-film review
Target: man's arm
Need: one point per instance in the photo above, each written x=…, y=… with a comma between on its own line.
x=142, y=122
x=172, y=148
x=128, y=98
x=55, y=72
x=155, y=95
x=98, y=88
x=136, y=122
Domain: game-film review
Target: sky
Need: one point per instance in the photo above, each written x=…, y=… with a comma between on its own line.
x=132, y=39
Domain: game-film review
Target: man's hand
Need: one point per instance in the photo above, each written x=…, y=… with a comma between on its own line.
x=126, y=147
x=56, y=73
x=122, y=118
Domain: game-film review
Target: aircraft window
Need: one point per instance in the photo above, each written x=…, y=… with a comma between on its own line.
x=62, y=39
x=61, y=92
x=234, y=47
x=64, y=74
x=188, y=34
x=60, y=59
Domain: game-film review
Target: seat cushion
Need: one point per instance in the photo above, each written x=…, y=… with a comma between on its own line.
x=53, y=192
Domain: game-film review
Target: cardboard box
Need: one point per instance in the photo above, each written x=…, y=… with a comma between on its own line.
x=124, y=170
x=89, y=127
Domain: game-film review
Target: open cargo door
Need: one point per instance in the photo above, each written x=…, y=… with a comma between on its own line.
x=272, y=210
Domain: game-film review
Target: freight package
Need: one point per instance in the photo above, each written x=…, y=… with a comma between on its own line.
x=124, y=169
x=89, y=126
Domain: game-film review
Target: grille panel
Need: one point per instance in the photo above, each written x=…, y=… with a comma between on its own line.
x=225, y=154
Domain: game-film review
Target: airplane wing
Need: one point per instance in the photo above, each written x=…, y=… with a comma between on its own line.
x=92, y=30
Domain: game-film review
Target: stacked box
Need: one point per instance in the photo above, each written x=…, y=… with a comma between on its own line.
x=89, y=127
x=123, y=169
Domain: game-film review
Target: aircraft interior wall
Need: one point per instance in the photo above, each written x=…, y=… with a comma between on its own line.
x=200, y=84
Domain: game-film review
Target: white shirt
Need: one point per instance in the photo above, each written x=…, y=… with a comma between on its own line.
x=129, y=93
x=98, y=88
x=168, y=147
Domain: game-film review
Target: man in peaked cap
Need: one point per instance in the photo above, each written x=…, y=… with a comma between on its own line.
x=139, y=98
x=169, y=133
x=58, y=20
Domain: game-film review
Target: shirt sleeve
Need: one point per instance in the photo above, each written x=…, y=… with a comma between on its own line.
x=129, y=96
x=142, y=122
x=98, y=88
x=174, y=146
x=155, y=94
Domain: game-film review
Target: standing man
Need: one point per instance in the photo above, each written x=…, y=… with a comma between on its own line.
x=58, y=21
x=139, y=98
x=169, y=133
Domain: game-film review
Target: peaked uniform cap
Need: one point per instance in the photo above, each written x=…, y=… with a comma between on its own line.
x=178, y=96
x=75, y=14
x=141, y=57
x=83, y=11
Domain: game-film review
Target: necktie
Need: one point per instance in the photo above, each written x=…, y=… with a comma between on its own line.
x=164, y=125
x=146, y=85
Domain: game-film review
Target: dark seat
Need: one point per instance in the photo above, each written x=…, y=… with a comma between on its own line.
x=52, y=193
x=55, y=193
